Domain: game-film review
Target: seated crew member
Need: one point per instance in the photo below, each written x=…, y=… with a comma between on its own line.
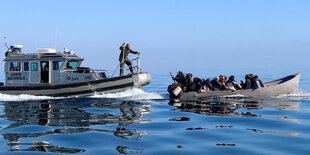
x=188, y=84
x=198, y=85
x=179, y=78
x=218, y=84
x=207, y=85
x=248, y=82
x=232, y=84
x=223, y=82
x=257, y=83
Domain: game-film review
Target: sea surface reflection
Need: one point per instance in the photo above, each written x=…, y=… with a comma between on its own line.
x=70, y=117
x=230, y=106
x=211, y=126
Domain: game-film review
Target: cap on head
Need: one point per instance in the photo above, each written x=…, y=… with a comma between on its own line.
x=222, y=78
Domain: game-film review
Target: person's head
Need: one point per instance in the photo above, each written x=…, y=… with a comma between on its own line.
x=247, y=76
x=255, y=77
x=232, y=78
x=222, y=78
x=128, y=46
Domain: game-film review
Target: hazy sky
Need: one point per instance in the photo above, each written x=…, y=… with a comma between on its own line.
x=170, y=34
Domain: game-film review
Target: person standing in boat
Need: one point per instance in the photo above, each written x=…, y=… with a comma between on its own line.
x=123, y=57
x=45, y=74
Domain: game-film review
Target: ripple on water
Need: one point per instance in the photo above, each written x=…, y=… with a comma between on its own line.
x=142, y=122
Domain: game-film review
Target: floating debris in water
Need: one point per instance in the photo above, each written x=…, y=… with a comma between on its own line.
x=199, y=128
x=180, y=147
x=224, y=126
x=256, y=130
x=180, y=119
x=223, y=144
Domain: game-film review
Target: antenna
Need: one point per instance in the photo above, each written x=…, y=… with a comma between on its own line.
x=55, y=38
x=6, y=43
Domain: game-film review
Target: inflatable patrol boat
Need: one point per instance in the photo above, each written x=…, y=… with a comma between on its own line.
x=52, y=73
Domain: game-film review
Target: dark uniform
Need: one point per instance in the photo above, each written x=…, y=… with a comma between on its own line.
x=123, y=58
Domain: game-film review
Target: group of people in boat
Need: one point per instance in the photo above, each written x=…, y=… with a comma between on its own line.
x=187, y=83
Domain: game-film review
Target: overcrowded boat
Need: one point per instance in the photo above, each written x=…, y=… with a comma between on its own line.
x=285, y=85
x=52, y=73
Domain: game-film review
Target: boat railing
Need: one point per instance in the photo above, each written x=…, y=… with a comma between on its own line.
x=135, y=63
x=100, y=73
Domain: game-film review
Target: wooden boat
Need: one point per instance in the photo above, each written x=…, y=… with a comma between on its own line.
x=285, y=85
x=52, y=73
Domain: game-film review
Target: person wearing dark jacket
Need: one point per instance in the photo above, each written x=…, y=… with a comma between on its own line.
x=257, y=83
x=198, y=84
x=179, y=78
x=248, y=82
x=189, y=85
x=208, y=85
x=218, y=84
x=123, y=57
x=232, y=84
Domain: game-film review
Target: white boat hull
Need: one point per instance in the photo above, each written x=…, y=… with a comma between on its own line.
x=81, y=88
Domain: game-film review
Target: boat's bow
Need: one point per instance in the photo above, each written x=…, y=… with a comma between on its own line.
x=141, y=79
x=286, y=85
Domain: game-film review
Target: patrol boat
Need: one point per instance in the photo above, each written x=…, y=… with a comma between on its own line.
x=51, y=73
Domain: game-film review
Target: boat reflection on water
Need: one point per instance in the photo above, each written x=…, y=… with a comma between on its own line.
x=70, y=116
x=42, y=146
x=230, y=106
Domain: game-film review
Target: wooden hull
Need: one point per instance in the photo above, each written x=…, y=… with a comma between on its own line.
x=286, y=85
x=81, y=88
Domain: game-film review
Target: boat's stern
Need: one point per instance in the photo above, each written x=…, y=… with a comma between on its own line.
x=141, y=79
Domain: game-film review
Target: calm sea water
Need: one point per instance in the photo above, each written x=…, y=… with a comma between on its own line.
x=146, y=122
